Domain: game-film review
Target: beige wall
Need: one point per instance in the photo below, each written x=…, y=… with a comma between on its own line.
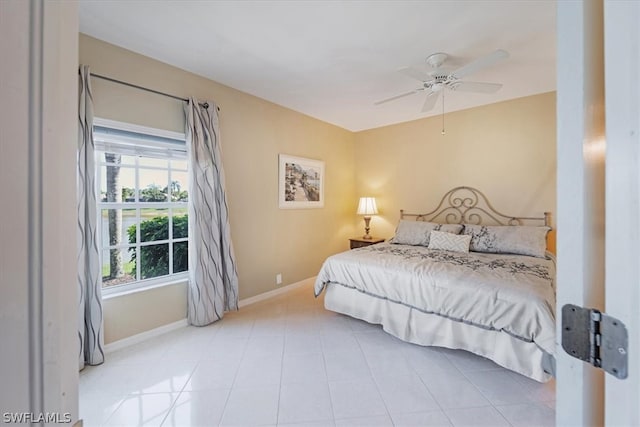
x=507, y=150
x=138, y=312
x=267, y=240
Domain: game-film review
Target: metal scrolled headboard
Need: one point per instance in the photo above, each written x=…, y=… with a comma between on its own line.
x=466, y=205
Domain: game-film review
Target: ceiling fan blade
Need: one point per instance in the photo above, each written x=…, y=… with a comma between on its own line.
x=414, y=73
x=430, y=101
x=475, y=87
x=393, y=98
x=480, y=63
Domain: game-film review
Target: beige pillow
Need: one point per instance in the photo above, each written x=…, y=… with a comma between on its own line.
x=449, y=242
x=509, y=239
x=417, y=232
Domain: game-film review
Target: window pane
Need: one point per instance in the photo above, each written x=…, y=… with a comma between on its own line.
x=180, y=223
x=143, y=232
x=118, y=267
x=179, y=187
x=180, y=257
x=118, y=226
x=179, y=164
x=154, y=224
x=116, y=180
x=153, y=185
x=154, y=260
x=150, y=161
x=128, y=183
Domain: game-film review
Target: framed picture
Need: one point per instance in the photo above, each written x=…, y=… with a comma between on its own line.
x=300, y=183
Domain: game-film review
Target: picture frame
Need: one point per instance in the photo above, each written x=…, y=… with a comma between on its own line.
x=300, y=182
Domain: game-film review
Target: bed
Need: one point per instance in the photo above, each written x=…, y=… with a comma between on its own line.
x=496, y=300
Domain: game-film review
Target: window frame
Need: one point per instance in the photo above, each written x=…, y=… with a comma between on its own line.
x=140, y=284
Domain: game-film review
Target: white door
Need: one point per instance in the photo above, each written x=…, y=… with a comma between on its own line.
x=599, y=198
x=622, y=71
x=581, y=198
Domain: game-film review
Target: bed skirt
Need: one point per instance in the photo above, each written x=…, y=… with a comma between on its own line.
x=421, y=328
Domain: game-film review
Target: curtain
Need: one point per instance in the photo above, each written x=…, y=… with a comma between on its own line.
x=90, y=328
x=213, y=278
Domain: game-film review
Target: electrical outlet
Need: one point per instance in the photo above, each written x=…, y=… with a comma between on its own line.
x=279, y=279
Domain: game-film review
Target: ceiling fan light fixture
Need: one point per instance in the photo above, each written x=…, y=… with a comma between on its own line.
x=437, y=59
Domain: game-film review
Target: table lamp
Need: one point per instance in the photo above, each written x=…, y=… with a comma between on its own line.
x=367, y=207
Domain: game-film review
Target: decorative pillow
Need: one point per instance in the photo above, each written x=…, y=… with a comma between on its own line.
x=510, y=239
x=417, y=232
x=449, y=242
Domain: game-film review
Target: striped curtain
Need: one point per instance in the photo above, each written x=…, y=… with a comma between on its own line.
x=90, y=330
x=213, y=278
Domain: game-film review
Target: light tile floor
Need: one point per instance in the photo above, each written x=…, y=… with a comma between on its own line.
x=288, y=361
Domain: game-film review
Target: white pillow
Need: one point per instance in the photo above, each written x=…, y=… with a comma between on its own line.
x=509, y=239
x=449, y=242
x=417, y=232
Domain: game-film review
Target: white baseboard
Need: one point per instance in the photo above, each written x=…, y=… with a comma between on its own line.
x=138, y=338
x=143, y=336
x=275, y=292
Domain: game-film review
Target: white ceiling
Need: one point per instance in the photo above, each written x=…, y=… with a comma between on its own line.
x=333, y=59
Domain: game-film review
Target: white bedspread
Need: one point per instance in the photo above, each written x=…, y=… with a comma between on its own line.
x=510, y=293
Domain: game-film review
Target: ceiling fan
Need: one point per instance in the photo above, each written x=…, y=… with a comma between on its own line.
x=441, y=77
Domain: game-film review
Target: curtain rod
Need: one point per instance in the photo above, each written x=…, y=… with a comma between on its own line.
x=157, y=92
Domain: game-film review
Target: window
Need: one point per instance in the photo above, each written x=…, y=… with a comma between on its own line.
x=143, y=199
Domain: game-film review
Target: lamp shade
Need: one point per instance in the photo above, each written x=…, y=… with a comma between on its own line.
x=367, y=206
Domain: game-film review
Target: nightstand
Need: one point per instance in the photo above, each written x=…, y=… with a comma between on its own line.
x=359, y=242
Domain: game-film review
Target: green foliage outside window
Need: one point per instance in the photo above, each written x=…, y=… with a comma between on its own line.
x=155, y=258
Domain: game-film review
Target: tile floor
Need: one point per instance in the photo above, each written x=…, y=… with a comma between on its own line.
x=287, y=361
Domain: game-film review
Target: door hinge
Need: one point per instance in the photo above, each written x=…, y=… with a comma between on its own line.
x=596, y=338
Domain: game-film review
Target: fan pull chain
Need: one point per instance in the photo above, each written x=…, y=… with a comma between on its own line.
x=442, y=113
